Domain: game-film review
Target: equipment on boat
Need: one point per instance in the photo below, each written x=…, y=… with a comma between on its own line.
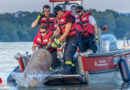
x=65, y=79
x=23, y=60
x=126, y=44
x=108, y=43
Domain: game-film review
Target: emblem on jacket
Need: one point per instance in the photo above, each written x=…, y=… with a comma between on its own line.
x=45, y=40
x=38, y=39
x=62, y=20
x=43, y=18
x=84, y=18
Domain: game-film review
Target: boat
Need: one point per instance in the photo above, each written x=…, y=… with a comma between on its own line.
x=101, y=67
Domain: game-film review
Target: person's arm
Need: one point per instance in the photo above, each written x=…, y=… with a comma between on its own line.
x=57, y=32
x=67, y=30
x=95, y=29
x=35, y=23
x=34, y=43
x=34, y=47
x=93, y=22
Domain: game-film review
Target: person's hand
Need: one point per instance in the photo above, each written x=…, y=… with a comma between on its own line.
x=56, y=43
x=54, y=37
x=40, y=15
x=45, y=47
x=96, y=38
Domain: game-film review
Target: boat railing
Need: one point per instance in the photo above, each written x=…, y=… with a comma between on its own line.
x=110, y=53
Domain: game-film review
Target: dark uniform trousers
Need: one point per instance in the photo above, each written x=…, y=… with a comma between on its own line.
x=70, y=49
x=87, y=42
x=55, y=62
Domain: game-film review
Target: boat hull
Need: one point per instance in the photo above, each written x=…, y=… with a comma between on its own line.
x=103, y=67
x=96, y=69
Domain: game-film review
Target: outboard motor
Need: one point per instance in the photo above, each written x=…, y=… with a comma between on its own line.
x=124, y=70
x=108, y=43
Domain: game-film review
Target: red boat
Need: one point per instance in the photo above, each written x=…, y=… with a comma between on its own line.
x=100, y=67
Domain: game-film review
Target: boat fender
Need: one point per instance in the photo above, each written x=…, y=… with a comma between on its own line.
x=124, y=70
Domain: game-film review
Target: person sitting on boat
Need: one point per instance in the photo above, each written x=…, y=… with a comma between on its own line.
x=45, y=18
x=67, y=28
x=87, y=28
x=43, y=41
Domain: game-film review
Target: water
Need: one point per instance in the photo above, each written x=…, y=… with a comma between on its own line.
x=9, y=49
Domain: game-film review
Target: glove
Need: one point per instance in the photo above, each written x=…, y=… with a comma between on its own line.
x=56, y=43
x=40, y=15
x=54, y=37
x=45, y=47
x=96, y=38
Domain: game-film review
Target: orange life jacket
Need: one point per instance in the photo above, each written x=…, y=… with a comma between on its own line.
x=48, y=22
x=83, y=25
x=62, y=23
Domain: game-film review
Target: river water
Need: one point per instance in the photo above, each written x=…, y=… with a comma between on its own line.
x=7, y=52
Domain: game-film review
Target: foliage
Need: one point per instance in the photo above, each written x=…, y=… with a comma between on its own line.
x=118, y=24
x=17, y=26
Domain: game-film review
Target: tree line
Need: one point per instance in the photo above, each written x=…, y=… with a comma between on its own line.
x=17, y=26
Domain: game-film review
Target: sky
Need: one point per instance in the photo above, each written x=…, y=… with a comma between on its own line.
x=121, y=6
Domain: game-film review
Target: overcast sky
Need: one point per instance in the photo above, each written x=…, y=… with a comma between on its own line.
x=122, y=6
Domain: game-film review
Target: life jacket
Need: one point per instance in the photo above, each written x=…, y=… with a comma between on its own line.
x=48, y=22
x=42, y=42
x=62, y=23
x=83, y=25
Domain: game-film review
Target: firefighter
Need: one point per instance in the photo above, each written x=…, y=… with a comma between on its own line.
x=67, y=29
x=43, y=41
x=88, y=32
x=45, y=18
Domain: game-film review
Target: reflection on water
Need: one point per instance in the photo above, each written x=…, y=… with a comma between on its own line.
x=7, y=52
x=9, y=49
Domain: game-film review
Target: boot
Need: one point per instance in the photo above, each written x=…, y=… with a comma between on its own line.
x=67, y=69
x=73, y=70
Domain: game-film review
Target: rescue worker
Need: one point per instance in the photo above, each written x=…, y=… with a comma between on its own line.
x=45, y=18
x=67, y=29
x=43, y=40
x=87, y=29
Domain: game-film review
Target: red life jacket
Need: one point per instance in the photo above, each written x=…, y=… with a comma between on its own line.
x=44, y=41
x=48, y=22
x=62, y=23
x=83, y=25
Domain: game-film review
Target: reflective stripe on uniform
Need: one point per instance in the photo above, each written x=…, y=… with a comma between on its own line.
x=73, y=65
x=68, y=62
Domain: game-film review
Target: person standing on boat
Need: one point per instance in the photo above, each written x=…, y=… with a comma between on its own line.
x=43, y=41
x=87, y=29
x=45, y=18
x=67, y=29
